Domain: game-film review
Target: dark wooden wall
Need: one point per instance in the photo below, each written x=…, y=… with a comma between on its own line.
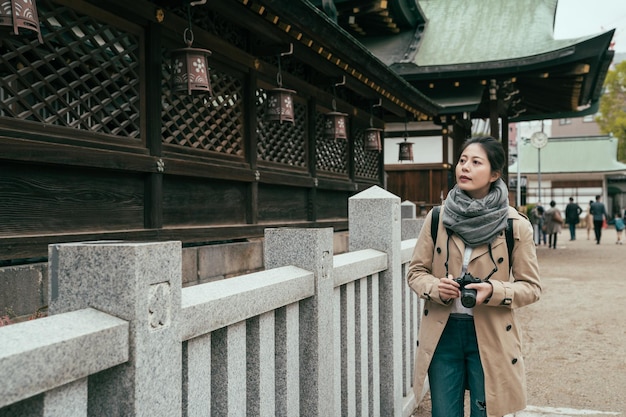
x=421, y=184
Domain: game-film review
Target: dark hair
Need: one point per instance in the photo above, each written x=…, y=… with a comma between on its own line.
x=552, y=203
x=494, y=150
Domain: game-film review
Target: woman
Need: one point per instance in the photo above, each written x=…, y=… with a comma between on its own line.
x=475, y=347
x=553, y=222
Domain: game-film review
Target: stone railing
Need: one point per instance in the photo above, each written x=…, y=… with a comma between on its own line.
x=314, y=334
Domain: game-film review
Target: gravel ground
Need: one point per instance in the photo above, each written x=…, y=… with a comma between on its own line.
x=575, y=336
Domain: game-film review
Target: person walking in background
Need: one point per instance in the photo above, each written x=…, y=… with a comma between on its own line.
x=542, y=230
x=619, y=228
x=589, y=220
x=572, y=217
x=598, y=211
x=474, y=340
x=553, y=222
x=536, y=219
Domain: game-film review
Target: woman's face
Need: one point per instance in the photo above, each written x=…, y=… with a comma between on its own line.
x=473, y=172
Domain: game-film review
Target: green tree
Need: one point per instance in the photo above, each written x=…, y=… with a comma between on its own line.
x=612, y=118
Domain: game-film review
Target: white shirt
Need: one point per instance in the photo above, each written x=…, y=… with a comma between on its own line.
x=457, y=306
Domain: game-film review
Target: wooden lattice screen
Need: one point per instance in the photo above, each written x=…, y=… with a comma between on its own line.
x=282, y=143
x=366, y=162
x=85, y=75
x=209, y=123
x=332, y=155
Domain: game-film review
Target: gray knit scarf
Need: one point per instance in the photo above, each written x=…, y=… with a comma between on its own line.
x=477, y=222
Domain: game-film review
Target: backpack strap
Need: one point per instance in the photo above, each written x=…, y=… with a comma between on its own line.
x=434, y=224
x=510, y=241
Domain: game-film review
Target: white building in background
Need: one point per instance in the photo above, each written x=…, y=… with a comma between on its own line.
x=579, y=167
x=579, y=161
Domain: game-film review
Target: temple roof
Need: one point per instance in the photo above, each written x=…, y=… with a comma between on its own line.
x=464, y=44
x=488, y=30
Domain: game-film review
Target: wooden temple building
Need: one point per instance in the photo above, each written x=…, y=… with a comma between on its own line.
x=97, y=142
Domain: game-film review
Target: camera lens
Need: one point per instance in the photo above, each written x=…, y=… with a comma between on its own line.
x=468, y=298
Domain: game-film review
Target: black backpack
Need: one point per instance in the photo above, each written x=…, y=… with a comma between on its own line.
x=510, y=241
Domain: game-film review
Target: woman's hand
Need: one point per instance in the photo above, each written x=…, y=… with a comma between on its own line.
x=484, y=291
x=448, y=288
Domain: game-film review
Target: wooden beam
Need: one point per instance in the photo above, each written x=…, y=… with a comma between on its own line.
x=24, y=247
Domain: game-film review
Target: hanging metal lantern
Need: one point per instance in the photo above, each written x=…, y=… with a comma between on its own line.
x=372, y=134
x=19, y=17
x=405, y=152
x=190, y=67
x=280, y=105
x=191, y=71
x=372, y=139
x=335, y=125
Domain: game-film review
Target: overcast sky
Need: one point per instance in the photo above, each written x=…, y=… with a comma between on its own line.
x=586, y=17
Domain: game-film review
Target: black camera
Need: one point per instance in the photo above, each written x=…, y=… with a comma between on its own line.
x=468, y=295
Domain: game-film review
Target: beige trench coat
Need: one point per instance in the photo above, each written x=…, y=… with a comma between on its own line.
x=498, y=333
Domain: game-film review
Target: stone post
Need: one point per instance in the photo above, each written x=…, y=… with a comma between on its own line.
x=312, y=250
x=410, y=226
x=139, y=283
x=407, y=208
x=374, y=220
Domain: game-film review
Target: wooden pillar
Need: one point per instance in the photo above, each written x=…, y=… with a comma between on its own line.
x=493, y=109
x=381, y=160
x=153, y=185
x=350, y=153
x=461, y=131
x=312, y=158
x=505, y=145
x=251, y=140
x=445, y=134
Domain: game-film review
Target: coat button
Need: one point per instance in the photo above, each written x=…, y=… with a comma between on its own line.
x=439, y=250
x=509, y=327
x=514, y=361
x=425, y=312
x=500, y=260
